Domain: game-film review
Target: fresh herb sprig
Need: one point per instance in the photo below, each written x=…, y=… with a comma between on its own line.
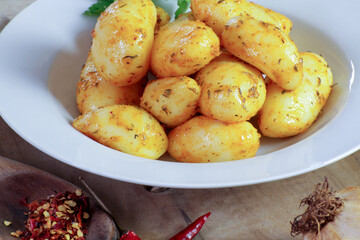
x=97, y=8
x=183, y=6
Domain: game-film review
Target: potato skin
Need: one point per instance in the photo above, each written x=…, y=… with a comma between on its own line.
x=162, y=17
x=171, y=100
x=126, y=128
x=202, y=139
x=269, y=16
x=186, y=16
x=122, y=40
x=216, y=13
x=264, y=46
x=183, y=47
x=231, y=90
x=288, y=113
x=93, y=91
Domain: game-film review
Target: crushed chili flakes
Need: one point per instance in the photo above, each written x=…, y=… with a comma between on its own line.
x=7, y=223
x=58, y=217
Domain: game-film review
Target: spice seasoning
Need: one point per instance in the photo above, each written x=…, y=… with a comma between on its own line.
x=7, y=223
x=58, y=217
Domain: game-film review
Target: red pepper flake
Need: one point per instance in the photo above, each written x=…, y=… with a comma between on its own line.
x=57, y=217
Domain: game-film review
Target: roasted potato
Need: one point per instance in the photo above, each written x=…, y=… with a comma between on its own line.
x=216, y=13
x=202, y=139
x=264, y=46
x=183, y=47
x=162, y=17
x=287, y=113
x=186, y=16
x=269, y=16
x=231, y=90
x=126, y=128
x=93, y=91
x=171, y=100
x=122, y=41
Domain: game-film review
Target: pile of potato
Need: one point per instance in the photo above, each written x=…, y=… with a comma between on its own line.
x=216, y=67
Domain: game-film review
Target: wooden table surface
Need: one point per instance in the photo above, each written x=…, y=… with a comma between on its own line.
x=261, y=211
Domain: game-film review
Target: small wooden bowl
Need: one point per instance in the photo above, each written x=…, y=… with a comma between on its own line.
x=19, y=181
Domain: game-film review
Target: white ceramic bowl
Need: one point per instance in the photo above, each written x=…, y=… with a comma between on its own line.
x=43, y=49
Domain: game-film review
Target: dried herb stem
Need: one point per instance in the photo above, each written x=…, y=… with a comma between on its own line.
x=323, y=205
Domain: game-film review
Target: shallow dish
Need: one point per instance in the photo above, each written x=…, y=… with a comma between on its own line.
x=43, y=50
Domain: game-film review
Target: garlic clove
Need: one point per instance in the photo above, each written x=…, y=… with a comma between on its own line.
x=346, y=224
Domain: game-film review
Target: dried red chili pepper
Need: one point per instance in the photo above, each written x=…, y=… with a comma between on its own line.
x=130, y=235
x=192, y=230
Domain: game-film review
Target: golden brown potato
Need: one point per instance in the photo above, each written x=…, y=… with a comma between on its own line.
x=216, y=13
x=202, y=139
x=186, y=16
x=287, y=113
x=171, y=100
x=183, y=47
x=126, y=128
x=231, y=90
x=93, y=91
x=269, y=16
x=162, y=17
x=122, y=41
x=264, y=46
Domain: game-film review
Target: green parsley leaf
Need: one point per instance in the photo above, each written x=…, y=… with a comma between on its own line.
x=183, y=7
x=97, y=8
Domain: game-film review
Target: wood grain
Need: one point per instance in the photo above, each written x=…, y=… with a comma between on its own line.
x=261, y=212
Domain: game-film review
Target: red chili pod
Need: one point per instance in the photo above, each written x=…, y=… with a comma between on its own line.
x=130, y=235
x=192, y=230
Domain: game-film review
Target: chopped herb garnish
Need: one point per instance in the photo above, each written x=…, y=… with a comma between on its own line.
x=296, y=68
x=167, y=93
x=164, y=108
x=132, y=57
x=193, y=90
